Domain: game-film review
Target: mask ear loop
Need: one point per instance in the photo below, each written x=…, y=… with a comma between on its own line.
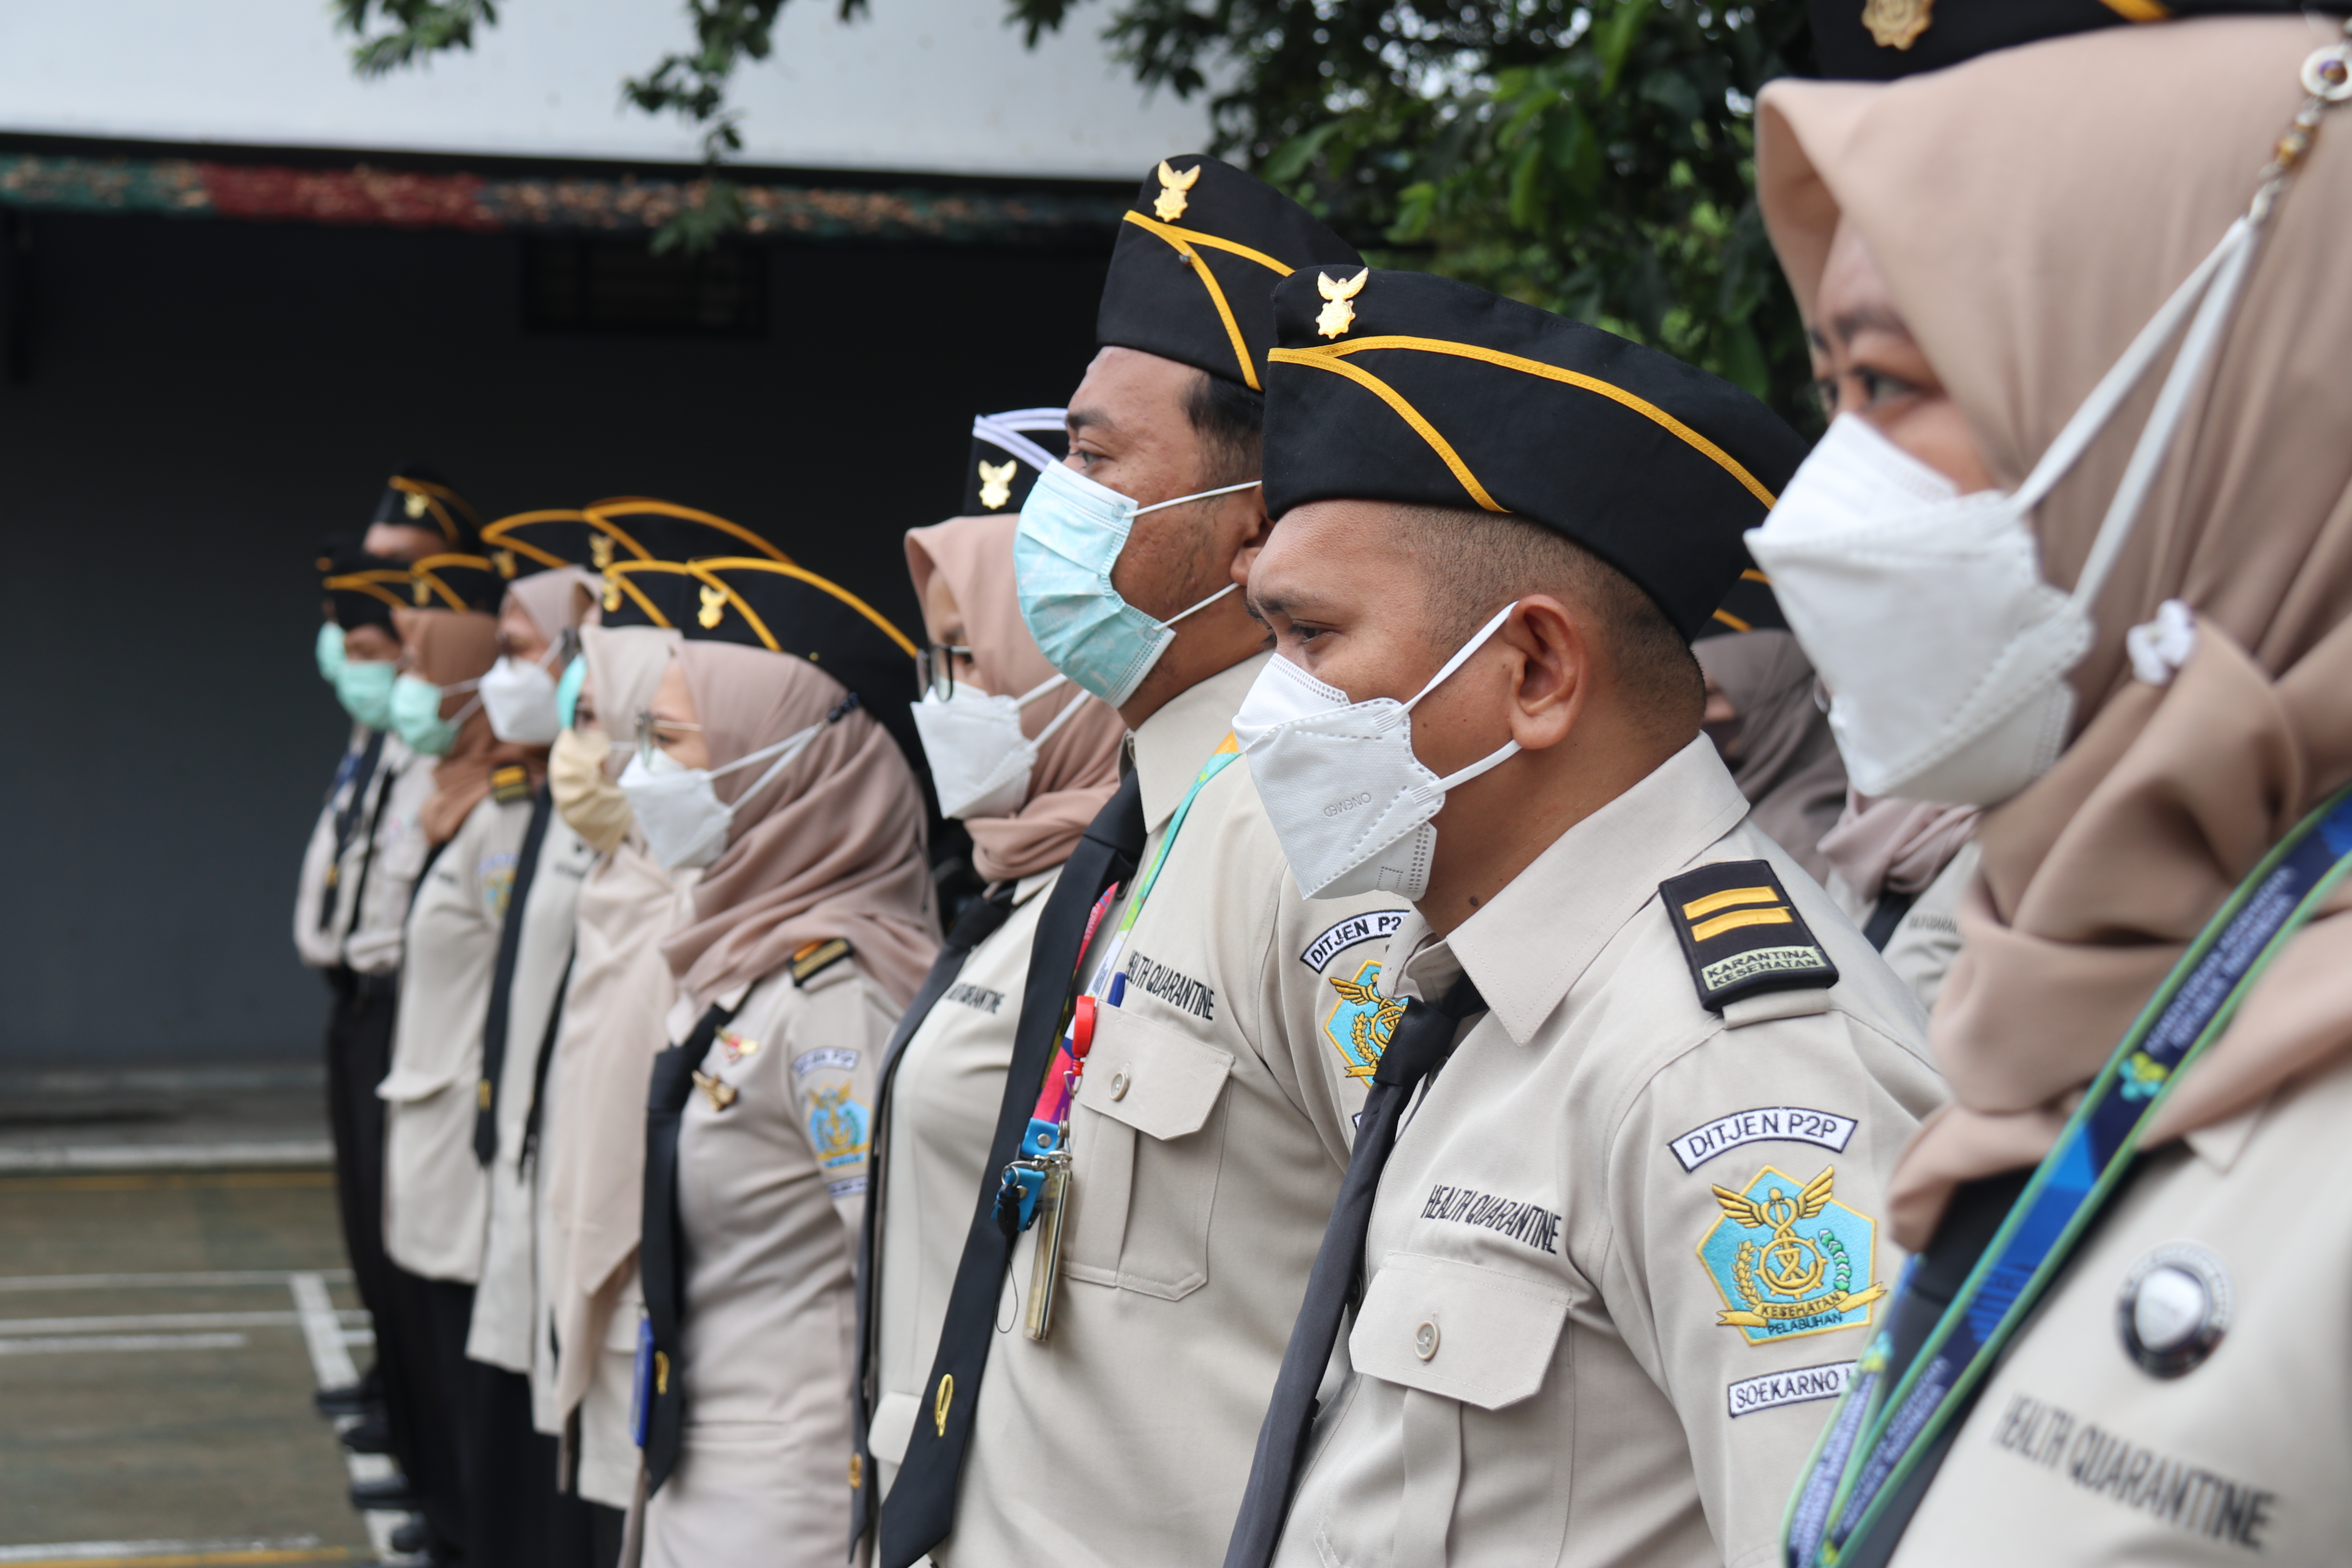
x=1502, y=753
x=1199, y=495
x=1054, y=725
x=792, y=746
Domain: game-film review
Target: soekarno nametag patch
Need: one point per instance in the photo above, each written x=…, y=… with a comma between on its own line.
x=1740, y=933
x=1789, y=1258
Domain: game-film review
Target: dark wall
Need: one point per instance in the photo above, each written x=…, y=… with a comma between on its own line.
x=199, y=402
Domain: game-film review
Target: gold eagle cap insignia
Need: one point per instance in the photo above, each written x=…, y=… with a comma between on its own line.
x=421, y=592
x=1339, y=311
x=996, y=482
x=504, y=560
x=1898, y=24
x=600, y=551
x=416, y=503
x=611, y=595
x=1169, y=205
x=714, y=607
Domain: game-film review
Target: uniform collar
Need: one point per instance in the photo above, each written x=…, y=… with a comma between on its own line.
x=1169, y=748
x=1534, y=939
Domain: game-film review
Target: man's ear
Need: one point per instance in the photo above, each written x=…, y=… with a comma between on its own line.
x=1556, y=651
x=1260, y=527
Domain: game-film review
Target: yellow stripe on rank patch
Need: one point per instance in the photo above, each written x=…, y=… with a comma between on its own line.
x=1721, y=923
x=1699, y=908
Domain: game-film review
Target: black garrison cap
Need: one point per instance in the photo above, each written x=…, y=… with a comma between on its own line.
x=362, y=590
x=643, y=529
x=1199, y=252
x=1008, y=451
x=416, y=496
x=783, y=608
x=1749, y=606
x=1407, y=387
x=1879, y=40
x=455, y=582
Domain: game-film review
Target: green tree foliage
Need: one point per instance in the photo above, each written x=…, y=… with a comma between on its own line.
x=1595, y=158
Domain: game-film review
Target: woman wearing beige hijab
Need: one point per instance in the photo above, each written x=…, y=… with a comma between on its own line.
x=941, y=1088
x=592, y=1116
x=1976, y=249
x=813, y=925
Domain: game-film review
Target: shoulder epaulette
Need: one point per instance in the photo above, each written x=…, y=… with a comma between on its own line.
x=509, y=784
x=1740, y=934
x=817, y=957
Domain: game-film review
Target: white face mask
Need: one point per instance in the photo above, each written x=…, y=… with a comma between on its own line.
x=1924, y=611
x=1347, y=796
x=520, y=700
x=979, y=759
x=678, y=811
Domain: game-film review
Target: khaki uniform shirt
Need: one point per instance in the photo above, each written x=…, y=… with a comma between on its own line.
x=1927, y=938
x=1209, y=1137
x=770, y=1196
x=436, y=1202
x=2074, y=1454
x=943, y=1110
x=370, y=882
x=505, y=1297
x=1539, y=1370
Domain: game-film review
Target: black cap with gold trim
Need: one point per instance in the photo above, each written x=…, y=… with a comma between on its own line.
x=1402, y=387
x=455, y=582
x=417, y=496
x=362, y=590
x=1880, y=40
x=1009, y=450
x=786, y=609
x=640, y=527
x=1749, y=606
x=1196, y=259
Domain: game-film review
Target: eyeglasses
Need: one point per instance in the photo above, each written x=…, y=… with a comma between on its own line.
x=652, y=731
x=935, y=667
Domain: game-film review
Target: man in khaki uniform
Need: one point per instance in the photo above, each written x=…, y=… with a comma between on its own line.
x=1628, y=1235
x=1210, y=1127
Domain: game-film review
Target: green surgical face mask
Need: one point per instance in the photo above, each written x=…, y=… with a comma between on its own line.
x=364, y=685
x=416, y=715
x=567, y=690
x=329, y=651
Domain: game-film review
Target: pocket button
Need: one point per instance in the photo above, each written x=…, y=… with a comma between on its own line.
x=1118, y=1082
x=1424, y=1339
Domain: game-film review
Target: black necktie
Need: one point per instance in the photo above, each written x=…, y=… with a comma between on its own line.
x=920, y=1509
x=978, y=921
x=1423, y=1037
x=360, y=774
x=661, y=1249
x=494, y=1022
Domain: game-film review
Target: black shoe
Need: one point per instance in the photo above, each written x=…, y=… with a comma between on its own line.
x=391, y=1494
x=370, y=1435
x=410, y=1536
x=349, y=1399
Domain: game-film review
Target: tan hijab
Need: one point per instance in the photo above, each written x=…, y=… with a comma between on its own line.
x=624, y=670
x=1078, y=770
x=1782, y=756
x=2143, y=143
x=832, y=847
x=446, y=646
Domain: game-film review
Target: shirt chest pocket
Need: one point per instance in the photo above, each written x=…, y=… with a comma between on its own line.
x=1469, y=1333
x=1148, y=1140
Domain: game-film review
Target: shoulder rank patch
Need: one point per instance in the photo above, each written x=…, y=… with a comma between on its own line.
x=509, y=784
x=1790, y=1259
x=1740, y=933
x=816, y=957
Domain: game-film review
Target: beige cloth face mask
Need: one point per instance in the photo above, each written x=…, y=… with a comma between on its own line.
x=590, y=801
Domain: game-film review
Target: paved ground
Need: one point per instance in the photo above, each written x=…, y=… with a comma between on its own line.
x=162, y=1119
x=157, y=1361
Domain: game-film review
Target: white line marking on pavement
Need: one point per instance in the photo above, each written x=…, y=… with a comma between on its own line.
x=10, y=1327
x=82, y=1550
x=107, y=1158
x=274, y=1277
x=85, y=1342
x=330, y=1363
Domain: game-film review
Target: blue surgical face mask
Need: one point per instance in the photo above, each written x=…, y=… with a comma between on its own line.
x=364, y=685
x=1072, y=530
x=329, y=651
x=416, y=715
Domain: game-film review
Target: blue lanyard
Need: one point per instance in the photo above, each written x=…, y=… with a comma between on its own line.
x=1876, y=1437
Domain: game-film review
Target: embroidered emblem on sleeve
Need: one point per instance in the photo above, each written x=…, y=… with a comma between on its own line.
x=838, y=1126
x=1363, y=1021
x=1740, y=933
x=1788, y=1259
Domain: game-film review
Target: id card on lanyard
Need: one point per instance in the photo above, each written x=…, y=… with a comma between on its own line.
x=1878, y=1436
x=1044, y=1169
